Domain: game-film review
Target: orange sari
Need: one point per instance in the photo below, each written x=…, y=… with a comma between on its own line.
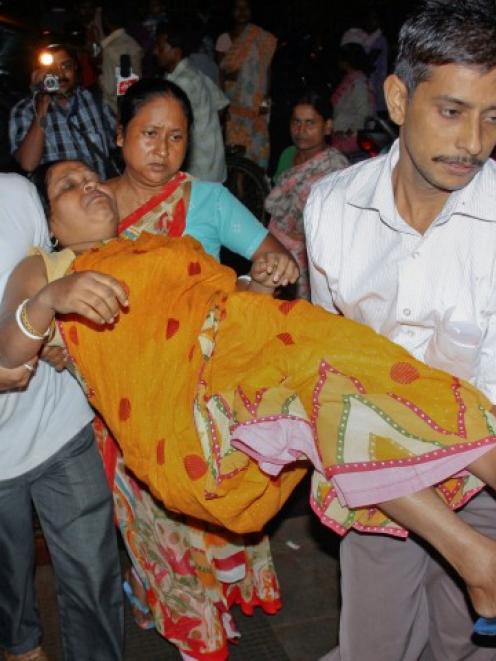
x=193, y=572
x=202, y=370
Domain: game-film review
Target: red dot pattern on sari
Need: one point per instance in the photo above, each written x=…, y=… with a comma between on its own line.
x=194, y=268
x=287, y=306
x=124, y=409
x=73, y=335
x=195, y=466
x=171, y=328
x=285, y=338
x=404, y=373
x=161, y=452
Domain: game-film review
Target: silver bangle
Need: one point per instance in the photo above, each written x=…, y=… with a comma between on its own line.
x=22, y=326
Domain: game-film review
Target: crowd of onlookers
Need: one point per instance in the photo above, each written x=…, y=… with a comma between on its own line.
x=247, y=88
x=242, y=79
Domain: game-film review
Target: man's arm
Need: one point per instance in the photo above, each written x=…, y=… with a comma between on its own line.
x=30, y=149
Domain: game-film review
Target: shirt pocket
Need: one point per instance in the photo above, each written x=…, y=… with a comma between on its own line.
x=455, y=347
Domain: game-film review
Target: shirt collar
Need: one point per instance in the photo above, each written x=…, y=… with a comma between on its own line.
x=181, y=67
x=375, y=192
x=111, y=37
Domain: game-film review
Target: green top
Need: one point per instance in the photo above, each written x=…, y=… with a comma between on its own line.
x=286, y=161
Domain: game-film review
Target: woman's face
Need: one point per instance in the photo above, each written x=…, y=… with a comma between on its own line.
x=155, y=141
x=82, y=209
x=242, y=12
x=308, y=128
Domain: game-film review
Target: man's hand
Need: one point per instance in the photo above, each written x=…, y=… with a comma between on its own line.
x=17, y=378
x=42, y=100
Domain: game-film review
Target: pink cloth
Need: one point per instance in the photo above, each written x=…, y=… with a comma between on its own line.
x=276, y=443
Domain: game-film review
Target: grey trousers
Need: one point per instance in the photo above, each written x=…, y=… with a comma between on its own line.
x=74, y=505
x=401, y=604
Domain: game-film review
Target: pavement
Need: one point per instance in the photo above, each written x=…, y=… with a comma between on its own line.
x=305, y=555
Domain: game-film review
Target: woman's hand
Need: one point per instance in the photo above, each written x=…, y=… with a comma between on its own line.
x=95, y=296
x=274, y=269
x=17, y=378
x=57, y=357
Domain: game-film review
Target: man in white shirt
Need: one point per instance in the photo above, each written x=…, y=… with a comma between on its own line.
x=116, y=43
x=48, y=458
x=406, y=244
x=206, y=154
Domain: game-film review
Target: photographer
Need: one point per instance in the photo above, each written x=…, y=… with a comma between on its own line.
x=61, y=120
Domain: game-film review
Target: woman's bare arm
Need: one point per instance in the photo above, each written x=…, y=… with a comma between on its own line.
x=94, y=296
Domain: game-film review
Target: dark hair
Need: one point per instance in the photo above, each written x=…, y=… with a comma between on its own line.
x=146, y=90
x=319, y=98
x=355, y=55
x=446, y=32
x=180, y=35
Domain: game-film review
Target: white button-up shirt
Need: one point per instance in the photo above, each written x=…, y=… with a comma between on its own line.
x=433, y=293
x=206, y=155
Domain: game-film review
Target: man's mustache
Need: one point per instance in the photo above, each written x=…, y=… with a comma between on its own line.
x=472, y=161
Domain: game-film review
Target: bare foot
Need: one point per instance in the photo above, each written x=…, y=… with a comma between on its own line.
x=480, y=577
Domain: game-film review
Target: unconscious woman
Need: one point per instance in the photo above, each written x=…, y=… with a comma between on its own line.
x=154, y=195
x=302, y=164
x=194, y=377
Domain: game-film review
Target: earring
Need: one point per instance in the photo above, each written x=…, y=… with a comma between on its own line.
x=54, y=242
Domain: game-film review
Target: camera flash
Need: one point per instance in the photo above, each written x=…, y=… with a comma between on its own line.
x=46, y=59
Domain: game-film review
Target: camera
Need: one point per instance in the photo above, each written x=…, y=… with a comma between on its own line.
x=50, y=83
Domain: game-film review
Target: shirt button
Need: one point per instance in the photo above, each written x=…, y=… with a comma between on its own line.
x=415, y=254
x=407, y=312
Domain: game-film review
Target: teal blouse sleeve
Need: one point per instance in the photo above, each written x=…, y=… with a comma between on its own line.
x=216, y=218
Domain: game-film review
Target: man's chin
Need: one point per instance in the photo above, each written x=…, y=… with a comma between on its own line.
x=451, y=184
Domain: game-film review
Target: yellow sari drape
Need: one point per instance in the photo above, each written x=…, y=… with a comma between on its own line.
x=193, y=363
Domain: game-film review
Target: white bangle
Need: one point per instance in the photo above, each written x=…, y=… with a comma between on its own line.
x=245, y=278
x=28, y=332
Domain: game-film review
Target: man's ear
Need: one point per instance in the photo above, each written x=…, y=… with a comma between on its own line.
x=328, y=127
x=119, y=136
x=396, y=95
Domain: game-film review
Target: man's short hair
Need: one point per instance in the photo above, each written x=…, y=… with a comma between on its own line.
x=446, y=32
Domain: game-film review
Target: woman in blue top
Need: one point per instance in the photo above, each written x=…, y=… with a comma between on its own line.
x=185, y=576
